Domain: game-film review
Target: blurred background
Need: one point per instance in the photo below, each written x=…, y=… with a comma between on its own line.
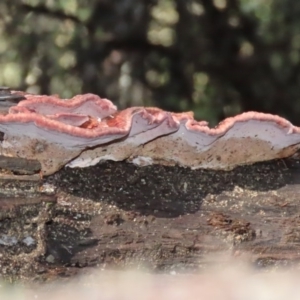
x=215, y=57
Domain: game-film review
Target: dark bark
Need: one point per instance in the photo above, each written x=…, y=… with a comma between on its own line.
x=18, y=165
x=116, y=215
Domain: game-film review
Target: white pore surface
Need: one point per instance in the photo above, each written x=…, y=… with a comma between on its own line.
x=65, y=140
x=83, y=162
x=265, y=131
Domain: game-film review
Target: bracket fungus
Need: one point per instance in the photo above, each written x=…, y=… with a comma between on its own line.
x=86, y=129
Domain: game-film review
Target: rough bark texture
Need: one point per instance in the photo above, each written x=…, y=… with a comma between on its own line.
x=18, y=165
x=115, y=215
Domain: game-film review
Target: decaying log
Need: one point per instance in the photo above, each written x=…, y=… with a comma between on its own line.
x=115, y=215
x=18, y=165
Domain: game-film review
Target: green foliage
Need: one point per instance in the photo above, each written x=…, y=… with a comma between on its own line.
x=217, y=58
